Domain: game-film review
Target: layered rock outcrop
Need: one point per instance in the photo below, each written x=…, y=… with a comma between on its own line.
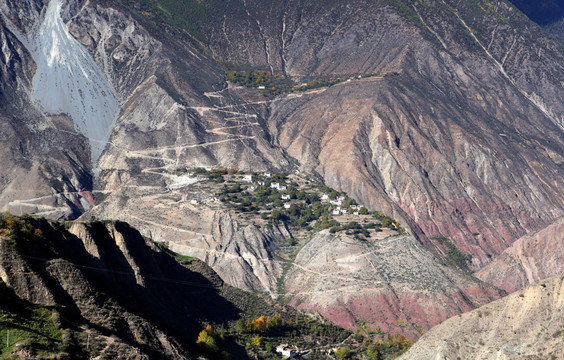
x=109, y=278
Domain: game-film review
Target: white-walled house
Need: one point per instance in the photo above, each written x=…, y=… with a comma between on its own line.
x=287, y=350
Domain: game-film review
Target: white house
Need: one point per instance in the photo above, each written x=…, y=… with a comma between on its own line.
x=266, y=174
x=287, y=206
x=261, y=87
x=288, y=351
x=278, y=187
x=248, y=178
x=285, y=197
x=324, y=197
x=336, y=212
x=195, y=202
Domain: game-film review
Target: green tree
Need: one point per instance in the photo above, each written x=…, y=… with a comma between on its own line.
x=343, y=353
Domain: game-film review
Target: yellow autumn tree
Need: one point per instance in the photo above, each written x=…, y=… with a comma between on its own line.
x=275, y=321
x=259, y=324
x=206, y=340
x=398, y=342
x=256, y=341
x=343, y=353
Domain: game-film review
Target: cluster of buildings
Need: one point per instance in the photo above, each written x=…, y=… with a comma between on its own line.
x=337, y=203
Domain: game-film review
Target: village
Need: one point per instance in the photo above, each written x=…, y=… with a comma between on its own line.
x=297, y=201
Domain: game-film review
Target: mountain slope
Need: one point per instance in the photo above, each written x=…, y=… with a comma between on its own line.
x=440, y=62
x=523, y=325
x=530, y=259
x=455, y=82
x=391, y=283
x=102, y=290
x=454, y=127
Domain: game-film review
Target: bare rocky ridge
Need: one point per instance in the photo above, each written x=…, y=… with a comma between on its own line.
x=523, y=325
x=391, y=283
x=107, y=281
x=92, y=274
x=242, y=253
x=532, y=258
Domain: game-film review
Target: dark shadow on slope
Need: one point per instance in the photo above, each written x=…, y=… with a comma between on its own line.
x=135, y=274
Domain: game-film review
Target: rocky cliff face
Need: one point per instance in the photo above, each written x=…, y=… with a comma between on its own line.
x=387, y=154
x=530, y=259
x=523, y=325
x=107, y=292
